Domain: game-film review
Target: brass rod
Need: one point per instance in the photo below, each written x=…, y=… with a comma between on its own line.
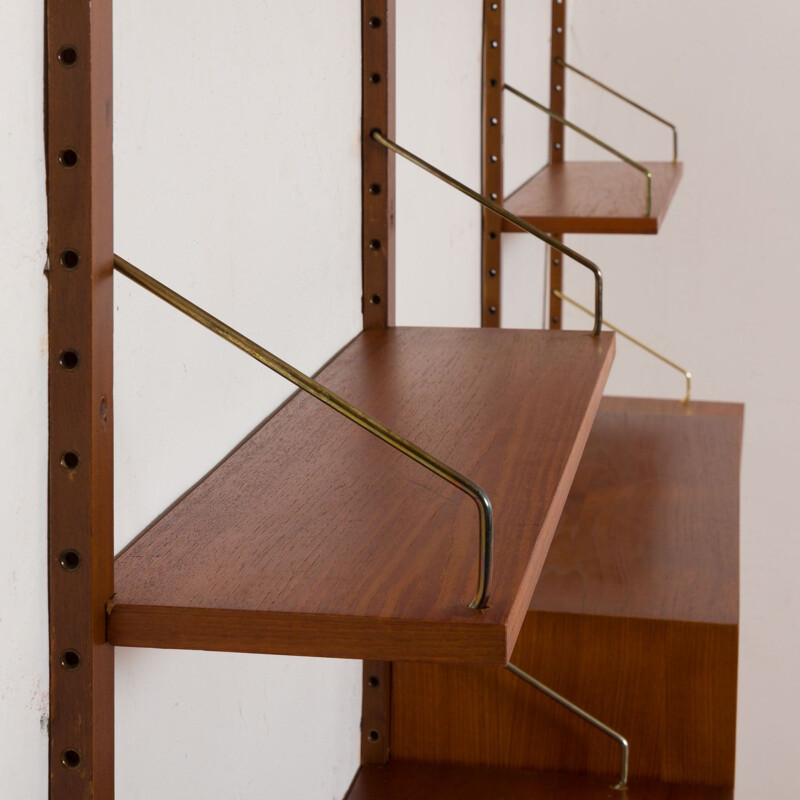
x=560, y=61
x=584, y=715
x=627, y=159
x=685, y=372
x=312, y=387
x=513, y=218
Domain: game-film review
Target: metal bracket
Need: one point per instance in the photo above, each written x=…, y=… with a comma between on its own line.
x=685, y=372
x=507, y=215
x=584, y=715
x=332, y=400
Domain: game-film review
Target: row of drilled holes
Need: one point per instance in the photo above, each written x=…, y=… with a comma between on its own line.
x=375, y=188
x=493, y=158
x=70, y=559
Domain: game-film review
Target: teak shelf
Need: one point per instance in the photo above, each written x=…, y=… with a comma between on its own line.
x=410, y=781
x=594, y=197
x=635, y=617
x=313, y=538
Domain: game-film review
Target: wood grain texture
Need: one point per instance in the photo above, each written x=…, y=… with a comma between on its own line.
x=314, y=538
x=491, y=159
x=377, y=163
x=668, y=687
x=594, y=197
x=651, y=525
x=80, y=311
x=408, y=781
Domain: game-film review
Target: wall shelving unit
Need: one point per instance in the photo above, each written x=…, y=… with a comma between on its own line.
x=350, y=563
x=564, y=196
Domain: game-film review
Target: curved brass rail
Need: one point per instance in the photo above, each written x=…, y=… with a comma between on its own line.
x=584, y=715
x=685, y=372
x=368, y=423
x=560, y=61
x=627, y=159
x=513, y=218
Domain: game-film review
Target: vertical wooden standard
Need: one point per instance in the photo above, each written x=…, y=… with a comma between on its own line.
x=80, y=521
x=378, y=65
x=492, y=159
x=378, y=204
x=558, y=49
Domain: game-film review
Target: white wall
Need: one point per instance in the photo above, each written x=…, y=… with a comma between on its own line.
x=219, y=168
x=238, y=183
x=23, y=395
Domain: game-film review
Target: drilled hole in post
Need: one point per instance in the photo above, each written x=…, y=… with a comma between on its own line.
x=69, y=259
x=375, y=22
x=68, y=158
x=70, y=460
x=374, y=188
x=375, y=77
x=373, y=682
x=373, y=736
x=493, y=82
x=68, y=359
x=492, y=235
x=375, y=300
x=71, y=758
x=68, y=55
x=70, y=560
x=375, y=244
x=70, y=659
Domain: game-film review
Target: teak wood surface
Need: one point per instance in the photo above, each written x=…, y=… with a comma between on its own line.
x=409, y=781
x=634, y=617
x=78, y=42
x=651, y=525
x=314, y=538
x=594, y=197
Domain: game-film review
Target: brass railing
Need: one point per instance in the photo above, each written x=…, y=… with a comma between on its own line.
x=685, y=372
x=560, y=61
x=622, y=783
x=627, y=159
x=507, y=215
x=368, y=423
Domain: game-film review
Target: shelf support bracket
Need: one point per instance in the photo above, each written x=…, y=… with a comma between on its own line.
x=584, y=715
x=648, y=201
x=561, y=63
x=507, y=215
x=685, y=372
x=324, y=395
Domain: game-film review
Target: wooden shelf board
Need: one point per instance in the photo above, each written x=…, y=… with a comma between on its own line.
x=410, y=781
x=594, y=197
x=314, y=538
x=651, y=526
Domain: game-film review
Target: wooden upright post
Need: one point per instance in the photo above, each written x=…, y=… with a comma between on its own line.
x=558, y=50
x=378, y=59
x=80, y=548
x=492, y=159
